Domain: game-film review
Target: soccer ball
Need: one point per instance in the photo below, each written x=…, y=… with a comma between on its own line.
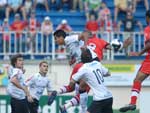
x=117, y=44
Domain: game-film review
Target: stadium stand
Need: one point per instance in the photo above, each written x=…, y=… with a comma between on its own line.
x=77, y=19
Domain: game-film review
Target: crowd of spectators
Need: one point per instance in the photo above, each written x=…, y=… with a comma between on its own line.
x=98, y=18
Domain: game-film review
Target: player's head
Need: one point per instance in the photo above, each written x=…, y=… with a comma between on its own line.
x=86, y=55
x=59, y=36
x=87, y=33
x=147, y=17
x=43, y=66
x=17, y=61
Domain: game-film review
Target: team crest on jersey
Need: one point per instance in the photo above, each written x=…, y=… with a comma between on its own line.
x=92, y=46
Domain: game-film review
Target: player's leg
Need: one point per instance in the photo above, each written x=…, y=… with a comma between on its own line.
x=95, y=107
x=75, y=100
x=83, y=90
x=70, y=103
x=107, y=106
x=13, y=105
x=136, y=88
x=20, y=106
x=33, y=106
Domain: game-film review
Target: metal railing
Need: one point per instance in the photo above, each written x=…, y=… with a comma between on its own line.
x=12, y=43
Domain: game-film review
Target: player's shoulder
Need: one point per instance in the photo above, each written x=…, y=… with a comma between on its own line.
x=16, y=70
x=36, y=75
x=71, y=38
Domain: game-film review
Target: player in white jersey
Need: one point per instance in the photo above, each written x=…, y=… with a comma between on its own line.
x=92, y=72
x=16, y=87
x=74, y=43
x=36, y=84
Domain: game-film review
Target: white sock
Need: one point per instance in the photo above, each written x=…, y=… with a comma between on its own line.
x=83, y=101
x=72, y=102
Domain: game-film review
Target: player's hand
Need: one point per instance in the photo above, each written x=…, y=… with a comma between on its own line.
x=30, y=99
x=133, y=54
x=72, y=61
x=52, y=97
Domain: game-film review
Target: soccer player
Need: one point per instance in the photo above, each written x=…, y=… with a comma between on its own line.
x=16, y=87
x=97, y=44
x=74, y=43
x=92, y=72
x=144, y=70
x=37, y=83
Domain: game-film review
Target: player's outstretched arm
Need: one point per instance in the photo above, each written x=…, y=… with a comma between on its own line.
x=146, y=48
x=65, y=89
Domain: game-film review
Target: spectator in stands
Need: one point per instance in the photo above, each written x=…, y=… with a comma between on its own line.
x=6, y=38
x=18, y=26
x=56, y=3
x=47, y=29
x=69, y=2
x=28, y=6
x=92, y=24
x=78, y=3
x=42, y=2
x=120, y=5
x=15, y=6
x=104, y=18
x=146, y=3
x=91, y=6
x=2, y=8
x=64, y=26
x=33, y=27
x=129, y=24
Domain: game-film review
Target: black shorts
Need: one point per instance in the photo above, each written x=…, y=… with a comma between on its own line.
x=103, y=106
x=19, y=106
x=33, y=106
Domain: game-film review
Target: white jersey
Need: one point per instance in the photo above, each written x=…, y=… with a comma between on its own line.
x=73, y=46
x=37, y=84
x=12, y=89
x=92, y=73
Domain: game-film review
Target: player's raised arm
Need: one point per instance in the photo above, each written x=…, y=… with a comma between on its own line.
x=146, y=48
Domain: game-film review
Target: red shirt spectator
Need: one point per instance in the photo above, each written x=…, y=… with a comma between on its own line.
x=18, y=25
x=92, y=24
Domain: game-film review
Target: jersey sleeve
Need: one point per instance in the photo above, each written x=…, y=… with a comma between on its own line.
x=71, y=39
x=103, y=43
x=104, y=70
x=15, y=72
x=30, y=81
x=80, y=74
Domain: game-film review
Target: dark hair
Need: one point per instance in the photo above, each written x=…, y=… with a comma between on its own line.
x=148, y=13
x=59, y=33
x=14, y=59
x=86, y=56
